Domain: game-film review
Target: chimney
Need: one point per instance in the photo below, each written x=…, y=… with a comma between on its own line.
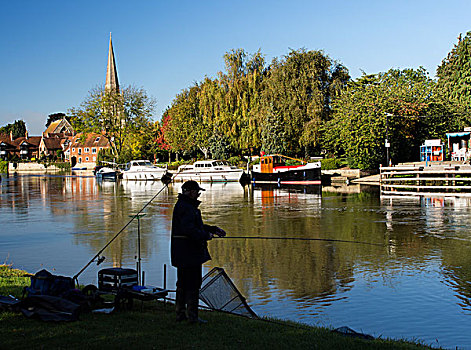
x=26, y=134
x=11, y=135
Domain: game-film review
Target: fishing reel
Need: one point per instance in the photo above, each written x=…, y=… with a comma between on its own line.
x=100, y=260
x=166, y=178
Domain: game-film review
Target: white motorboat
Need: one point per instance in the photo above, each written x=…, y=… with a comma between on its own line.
x=142, y=170
x=106, y=174
x=209, y=171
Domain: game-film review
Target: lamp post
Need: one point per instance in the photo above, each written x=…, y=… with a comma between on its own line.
x=386, y=141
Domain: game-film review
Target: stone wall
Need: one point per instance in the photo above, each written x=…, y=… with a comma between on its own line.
x=348, y=173
x=30, y=167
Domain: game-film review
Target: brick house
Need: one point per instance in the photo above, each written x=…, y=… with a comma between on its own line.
x=83, y=149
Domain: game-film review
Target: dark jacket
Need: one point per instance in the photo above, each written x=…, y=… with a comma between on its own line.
x=188, y=246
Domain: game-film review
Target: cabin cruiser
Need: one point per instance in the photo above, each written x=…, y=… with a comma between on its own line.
x=142, y=170
x=104, y=173
x=209, y=171
x=275, y=169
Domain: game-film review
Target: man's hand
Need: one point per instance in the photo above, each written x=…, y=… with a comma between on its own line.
x=219, y=232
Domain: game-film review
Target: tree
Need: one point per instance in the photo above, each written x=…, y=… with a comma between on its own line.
x=219, y=146
x=299, y=88
x=399, y=105
x=272, y=134
x=118, y=117
x=18, y=129
x=454, y=79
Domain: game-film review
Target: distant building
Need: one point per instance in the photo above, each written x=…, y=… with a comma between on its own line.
x=83, y=149
x=111, y=84
x=55, y=139
x=7, y=146
x=27, y=147
x=59, y=127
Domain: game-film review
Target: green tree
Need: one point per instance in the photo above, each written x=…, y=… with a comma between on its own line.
x=454, y=79
x=219, y=146
x=241, y=98
x=18, y=129
x=272, y=134
x=185, y=129
x=118, y=117
x=399, y=105
x=299, y=88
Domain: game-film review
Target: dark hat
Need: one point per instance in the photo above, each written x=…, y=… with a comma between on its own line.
x=192, y=185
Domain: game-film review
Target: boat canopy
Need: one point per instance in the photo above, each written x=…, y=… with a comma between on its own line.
x=458, y=134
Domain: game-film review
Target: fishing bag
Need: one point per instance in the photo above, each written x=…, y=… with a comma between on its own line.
x=49, y=308
x=45, y=283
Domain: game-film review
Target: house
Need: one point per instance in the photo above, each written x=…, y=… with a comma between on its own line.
x=50, y=146
x=27, y=147
x=7, y=146
x=83, y=149
x=55, y=139
x=59, y=127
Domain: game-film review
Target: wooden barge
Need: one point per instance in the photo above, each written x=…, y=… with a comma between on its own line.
x=421, y=179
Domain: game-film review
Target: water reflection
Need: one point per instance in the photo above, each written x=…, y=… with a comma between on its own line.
x=420, y=269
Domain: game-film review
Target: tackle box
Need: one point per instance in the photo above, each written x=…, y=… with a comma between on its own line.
x=115, y=278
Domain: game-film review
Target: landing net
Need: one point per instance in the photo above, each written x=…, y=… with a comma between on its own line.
x=219, y=293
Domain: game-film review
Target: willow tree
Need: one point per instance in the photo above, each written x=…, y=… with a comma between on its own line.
x=299, y=88
x=241, y=88
x=119, y=117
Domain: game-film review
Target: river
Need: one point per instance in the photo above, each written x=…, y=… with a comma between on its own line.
x=405, y=275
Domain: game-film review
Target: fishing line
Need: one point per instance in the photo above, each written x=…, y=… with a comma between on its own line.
x=301, y=239
x=167, y=181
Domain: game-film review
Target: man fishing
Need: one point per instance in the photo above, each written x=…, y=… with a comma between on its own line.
x=189, y=250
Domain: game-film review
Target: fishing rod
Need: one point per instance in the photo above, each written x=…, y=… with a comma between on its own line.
x=166, y=179
x=301, y=239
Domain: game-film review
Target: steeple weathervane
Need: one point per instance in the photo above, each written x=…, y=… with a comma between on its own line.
x=112, y=84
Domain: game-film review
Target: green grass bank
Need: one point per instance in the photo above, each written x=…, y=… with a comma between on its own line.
x=152, y=326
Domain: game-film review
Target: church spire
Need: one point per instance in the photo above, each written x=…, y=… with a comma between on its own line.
x=112, y=84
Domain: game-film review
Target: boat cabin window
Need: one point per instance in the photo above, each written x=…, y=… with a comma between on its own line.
x=207, y=165
x=143, y=163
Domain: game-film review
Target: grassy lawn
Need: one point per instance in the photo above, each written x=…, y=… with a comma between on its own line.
x=151, y=325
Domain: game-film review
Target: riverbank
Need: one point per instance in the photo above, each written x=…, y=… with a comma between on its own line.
x=152, y=326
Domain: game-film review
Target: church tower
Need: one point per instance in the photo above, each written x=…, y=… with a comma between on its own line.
x=112, y=84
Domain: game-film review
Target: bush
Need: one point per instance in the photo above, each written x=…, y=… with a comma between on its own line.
x=331, y=163
x=63, y=165
x=3, y=166
x=174, y=165
x=237, y=161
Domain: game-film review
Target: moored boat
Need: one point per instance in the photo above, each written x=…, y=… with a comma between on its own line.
x=274, y=169
x=209, y=171
x=104, y=173
x=142, y=170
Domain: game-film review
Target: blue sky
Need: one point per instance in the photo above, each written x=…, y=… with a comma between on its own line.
x=53, y=52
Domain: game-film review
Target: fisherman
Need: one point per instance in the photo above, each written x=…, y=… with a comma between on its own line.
x=189, y=250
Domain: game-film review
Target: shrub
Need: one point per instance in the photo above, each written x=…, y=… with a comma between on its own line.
x=331, y=163
x=3, y=166
x=63, y=165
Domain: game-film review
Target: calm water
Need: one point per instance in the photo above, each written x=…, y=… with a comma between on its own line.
x=415, y=286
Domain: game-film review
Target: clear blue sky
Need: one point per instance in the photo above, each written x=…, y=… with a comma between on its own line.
x=53, y=52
